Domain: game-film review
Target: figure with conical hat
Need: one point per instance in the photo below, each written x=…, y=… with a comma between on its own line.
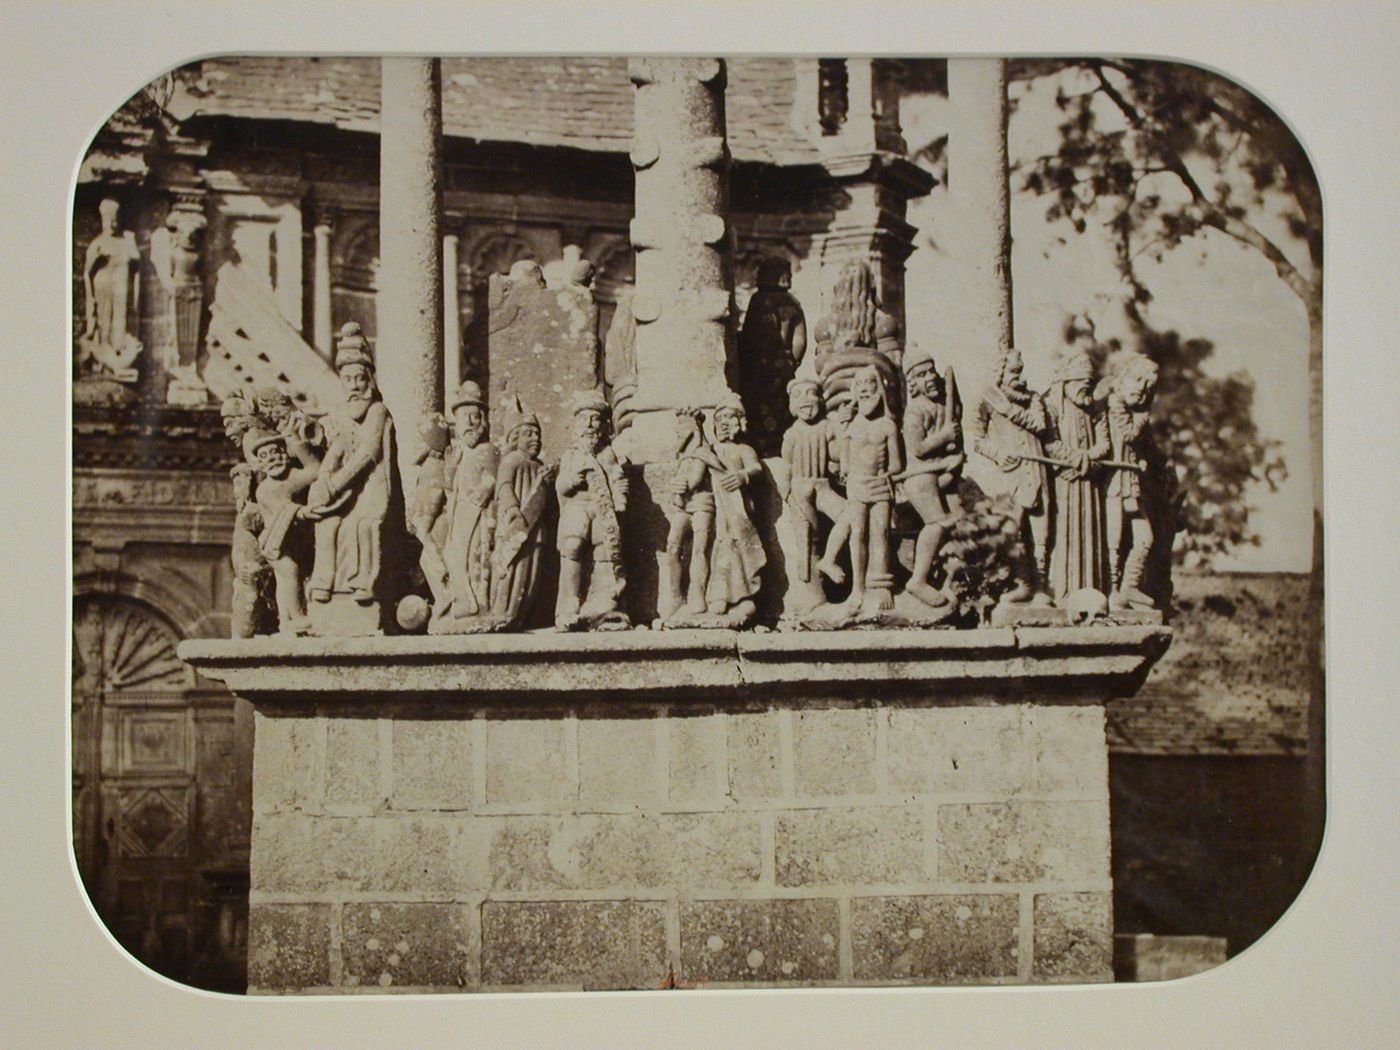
x=1008, y=428
x=932, y=433
x=471, y=465
x=872, y=457
x=280, y=496
x=1129, y=414
x=524, y=498
x=1079, y=438
x=352, y=495
x=592, y=488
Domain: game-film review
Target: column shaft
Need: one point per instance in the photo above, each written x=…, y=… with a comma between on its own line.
x=451, y=316
x=321, y=324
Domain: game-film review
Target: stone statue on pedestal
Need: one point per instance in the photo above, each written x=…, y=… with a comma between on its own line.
x=111, y=287
x=771, y=344
x=872, y=458
x=809, y=455
x=280, y=496
x=1129, y=405
x=351, y=497
x=1078, y=441
x=1008, y=428
x=932, y=433
x=471, y=465
x=251, y=572
x=592, y=488
x=524, y=500
x=426, y=524
x=689, y=505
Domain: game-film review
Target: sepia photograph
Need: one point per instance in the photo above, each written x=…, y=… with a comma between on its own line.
x=652, y=522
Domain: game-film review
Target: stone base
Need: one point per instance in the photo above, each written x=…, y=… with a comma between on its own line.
x=343, y=617
x=1028, y=616
x=186, y=394
x=1147, y=957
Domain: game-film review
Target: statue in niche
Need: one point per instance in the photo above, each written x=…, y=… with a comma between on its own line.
x=592, y=488
x=771, y=344
x=932, y=432
x=1008, y=428
x=280, y=498
x=1129, y=405
x=426, y=523
x=111, y=286
x=808, y=452
x=524, y=494
x=470, y=467
x=871, y=457
x=352, y=496
x=856, y=333
x=1079, y=439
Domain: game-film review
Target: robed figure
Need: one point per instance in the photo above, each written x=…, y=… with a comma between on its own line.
x=1079, y=438
x=524, y=494
x=470, y=467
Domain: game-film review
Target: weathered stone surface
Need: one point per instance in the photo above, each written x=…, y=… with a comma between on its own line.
x=1146, y=957
x=593, y=944
x=1071, y=752
x=289, y=947
x=1074, y=936
x=391, y=945
x=945, y=749
x=842, y=846
x=834, y=751
x=1023, y=842
x=527, y=761
x=287, y=752
x=713, y=850
x=530, y=854
x=432, y=764
x=754, y=745
x=429, y=854
x=617, y=760
x=697, y=758
x=293, y=853
x=752, y=940
x=352, y=761
x=954, y=937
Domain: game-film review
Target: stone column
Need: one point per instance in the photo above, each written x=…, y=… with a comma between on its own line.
x=979, y=198
x=321, y=325
x=451, y=317
x=409, y=304
x=684, y=257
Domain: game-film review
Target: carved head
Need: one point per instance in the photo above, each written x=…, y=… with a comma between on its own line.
x=921, y=374
x=525, y=437
x=108, y=210
x=358, y=382
x=774, y=273
x=237, y=416
x=1009, y=368
x=805, y=400
x=869, y=393
x=243, y=477
x=591, y=419
x=729, y=419
x=843, y=407
x=1076, y=372
x=268, y=452
x=527, y=270
x=273, y=405
x=469, y=414
x=1135, y=381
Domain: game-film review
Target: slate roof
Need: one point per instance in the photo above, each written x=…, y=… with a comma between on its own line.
x=584, y=103
x=1236, y=678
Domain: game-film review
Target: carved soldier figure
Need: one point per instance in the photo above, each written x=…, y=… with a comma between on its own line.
x=354, y=490
x=933, y=442
x=1129, y=413
x=772, y=343
x=524, y=494
x=737, y=557
x=250, y=567
x=592, y=487
x=280, y=498
x=1079, y=439
x=872, y=457
x=111, y=284
x=425, y=510
x=471, y=480
x=806, y=486
x=1008, y=427
x=689, y=506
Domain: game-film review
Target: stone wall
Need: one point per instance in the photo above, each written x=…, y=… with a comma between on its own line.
x=418, y=844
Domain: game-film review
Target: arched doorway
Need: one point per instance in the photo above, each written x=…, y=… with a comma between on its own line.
x=147, y=775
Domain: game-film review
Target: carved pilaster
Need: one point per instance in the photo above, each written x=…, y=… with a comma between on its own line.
x=322, y=324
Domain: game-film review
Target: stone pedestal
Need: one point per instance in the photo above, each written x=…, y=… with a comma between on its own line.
x=646, y=810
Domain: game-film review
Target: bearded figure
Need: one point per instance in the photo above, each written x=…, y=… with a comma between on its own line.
x=471, y=478
x=857, y=333
x=592, y=488
x=524, y=496
x=1079, y=439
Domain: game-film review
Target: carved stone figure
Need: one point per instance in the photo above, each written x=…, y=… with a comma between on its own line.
x=177, y=265
x=856, y=333
x=471, y=519
x=1129, y=404
x=351, y=498
x=806, y=489
x=771, y=344
x=280, y=496
x=426, y=521
x=689, y=505
x=620, y=360
x=933, y=443
x=592, y=488
x=1079, y=439
x=111, y=286
x=737, y=557
x=1008, y=428
x=524, y=497
x=872, y=458
x=251, y=572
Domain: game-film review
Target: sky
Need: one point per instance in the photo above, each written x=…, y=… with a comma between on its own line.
x=1209, y=287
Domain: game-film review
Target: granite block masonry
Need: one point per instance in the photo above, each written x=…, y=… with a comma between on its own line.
x=925, y=808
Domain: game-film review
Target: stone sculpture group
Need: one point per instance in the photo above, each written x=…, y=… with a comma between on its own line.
x=874, y=523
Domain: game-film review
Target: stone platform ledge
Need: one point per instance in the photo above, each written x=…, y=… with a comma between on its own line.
x=1093, y=662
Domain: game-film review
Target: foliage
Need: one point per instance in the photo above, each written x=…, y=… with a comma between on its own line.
x=981, y=554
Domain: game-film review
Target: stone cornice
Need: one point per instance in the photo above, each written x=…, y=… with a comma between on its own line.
x=885, y=168
x=150, y=437
x=1088, y=664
